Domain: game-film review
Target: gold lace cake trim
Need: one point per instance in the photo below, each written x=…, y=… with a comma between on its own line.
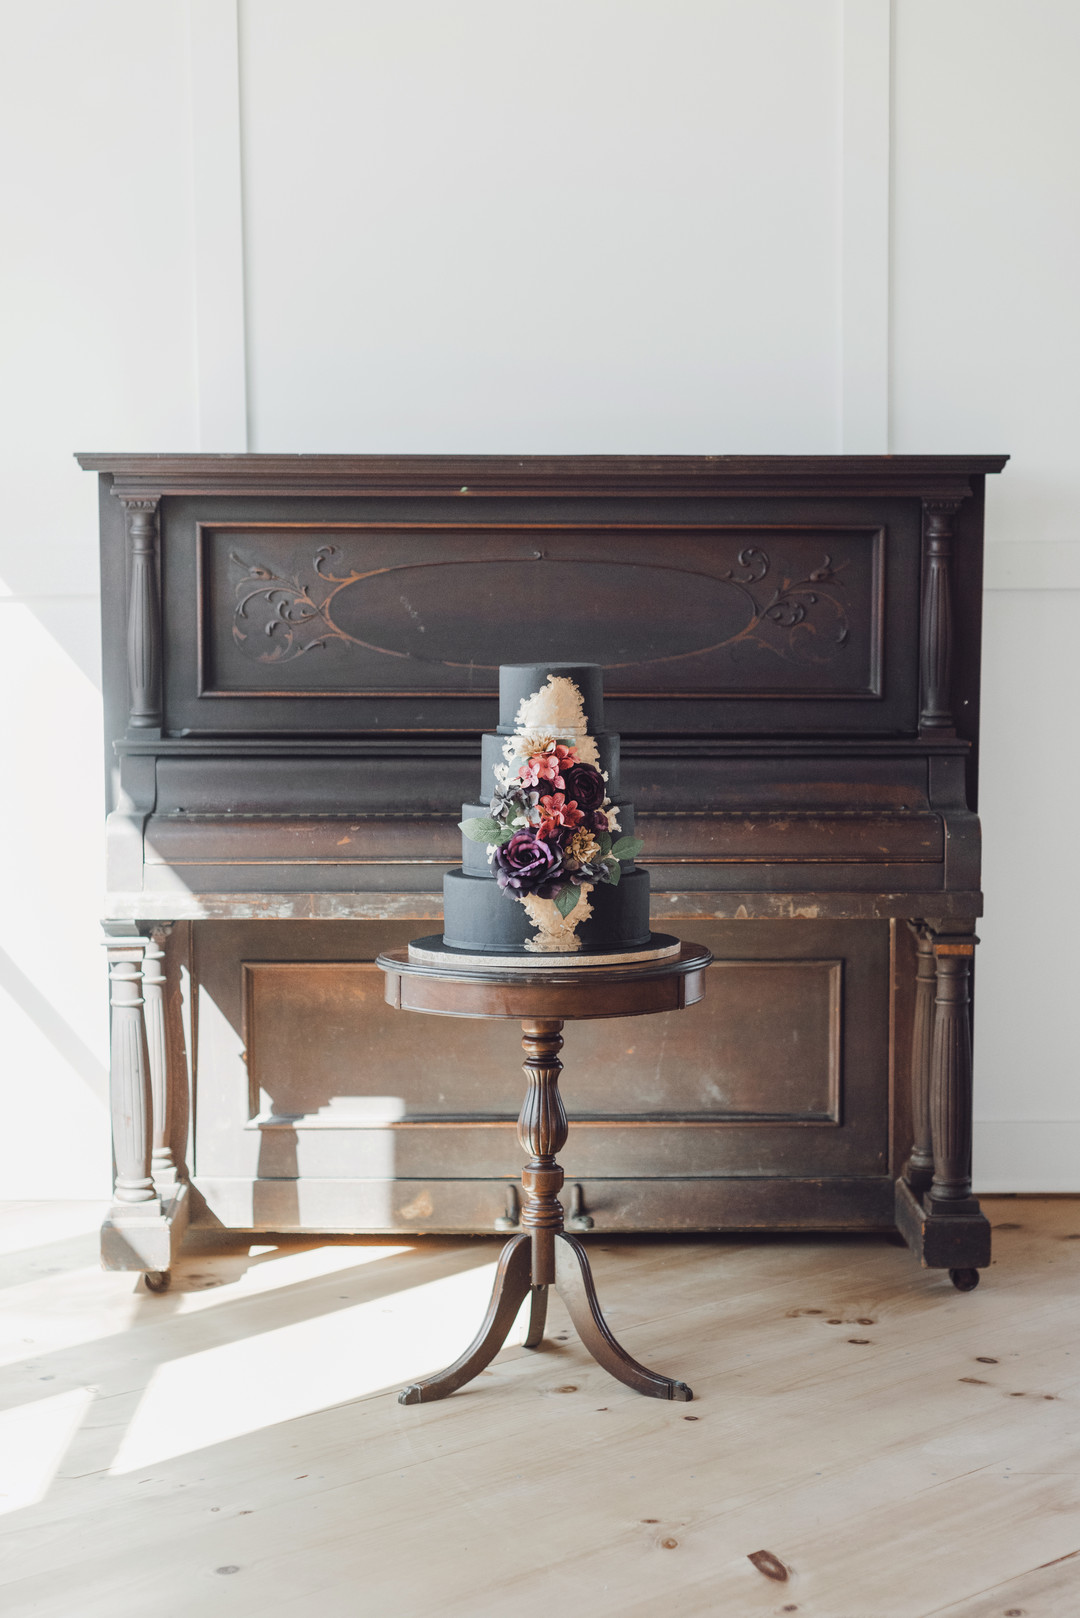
x=555, y=934
x=557, y=708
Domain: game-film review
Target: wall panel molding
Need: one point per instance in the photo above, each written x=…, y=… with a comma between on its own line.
x=865, y=140
x=220, y=345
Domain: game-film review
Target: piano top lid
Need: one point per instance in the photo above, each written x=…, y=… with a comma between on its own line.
x=554, y=476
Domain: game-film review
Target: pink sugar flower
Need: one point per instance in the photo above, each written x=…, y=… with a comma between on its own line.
x=546, y=768
x=556, y=812
x=540, y=771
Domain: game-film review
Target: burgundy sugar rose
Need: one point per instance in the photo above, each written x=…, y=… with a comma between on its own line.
x=529, y=864
x=585, y=785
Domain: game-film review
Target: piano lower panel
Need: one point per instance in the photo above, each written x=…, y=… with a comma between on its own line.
x=318, y=1107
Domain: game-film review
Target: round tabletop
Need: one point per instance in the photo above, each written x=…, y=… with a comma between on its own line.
x=565, y=994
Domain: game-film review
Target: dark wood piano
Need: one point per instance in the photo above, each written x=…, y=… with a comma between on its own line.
x=300, y=653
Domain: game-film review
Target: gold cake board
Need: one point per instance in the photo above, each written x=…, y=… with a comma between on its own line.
x=433, y=952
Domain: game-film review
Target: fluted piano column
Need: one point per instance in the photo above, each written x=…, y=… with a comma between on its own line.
x=951, y=1079
x=144, y=617
x=935, y=1212
x=937, y=634
x=151, y=1198
x=919, y=1169
x=155, y=988
x=131, y=1101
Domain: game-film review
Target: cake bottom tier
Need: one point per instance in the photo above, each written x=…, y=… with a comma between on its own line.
x=481, y=916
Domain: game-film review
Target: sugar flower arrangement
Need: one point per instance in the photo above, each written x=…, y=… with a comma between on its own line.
x=551, y=824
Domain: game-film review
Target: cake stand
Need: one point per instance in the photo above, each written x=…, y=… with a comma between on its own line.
x=543, y=1255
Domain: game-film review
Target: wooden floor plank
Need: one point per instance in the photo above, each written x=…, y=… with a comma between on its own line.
x=897, y=1475
x=1050, y=1591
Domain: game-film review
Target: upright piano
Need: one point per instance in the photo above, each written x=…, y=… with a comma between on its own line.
x=300, y=654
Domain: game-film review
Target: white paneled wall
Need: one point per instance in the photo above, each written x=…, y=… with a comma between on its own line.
x=569, y=227
x=96, y=316
x=986, y=352
x=771, y=226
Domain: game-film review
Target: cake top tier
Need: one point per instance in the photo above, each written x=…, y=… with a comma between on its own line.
x=563, y=698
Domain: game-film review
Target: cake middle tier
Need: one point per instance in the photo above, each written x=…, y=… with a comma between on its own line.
x=474, y=856
x=492, y=755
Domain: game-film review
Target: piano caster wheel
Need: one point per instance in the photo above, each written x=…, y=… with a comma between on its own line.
x=157, y=1280
x=964, y=1280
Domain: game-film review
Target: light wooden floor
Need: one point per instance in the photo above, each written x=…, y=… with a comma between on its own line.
x=235, y=1446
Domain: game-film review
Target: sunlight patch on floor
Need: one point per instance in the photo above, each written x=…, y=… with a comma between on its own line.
x=66, y=1310
x=268, y=1268
x=255, y=1382
x=33, y=1441
x=71, y=1307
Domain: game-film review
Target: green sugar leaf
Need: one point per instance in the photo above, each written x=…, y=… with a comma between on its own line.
x=481, y=830
x=628, y=848
x=604, y=839
x=615, y=869
x=565, y=901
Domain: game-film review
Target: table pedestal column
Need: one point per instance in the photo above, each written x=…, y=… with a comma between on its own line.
x=542, y=1131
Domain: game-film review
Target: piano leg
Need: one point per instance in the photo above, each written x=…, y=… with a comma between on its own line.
x=155, y=1006
x=141, y=1230
x=919, y=1168
x=946, y=1226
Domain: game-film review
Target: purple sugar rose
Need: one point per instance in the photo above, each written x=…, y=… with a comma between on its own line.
x=529, y=864
x=585, y=786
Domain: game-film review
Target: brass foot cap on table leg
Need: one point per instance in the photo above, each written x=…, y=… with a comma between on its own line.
x=411, y=1395
x=681, y=1392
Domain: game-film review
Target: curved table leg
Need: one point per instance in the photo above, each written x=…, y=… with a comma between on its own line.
x=537, y=1317
x=512, y=1284
x=574, y=1284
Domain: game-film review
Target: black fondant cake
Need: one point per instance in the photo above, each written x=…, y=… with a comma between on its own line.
x=548, y=855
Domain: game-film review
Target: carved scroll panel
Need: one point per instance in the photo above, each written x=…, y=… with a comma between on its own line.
x=409, y=610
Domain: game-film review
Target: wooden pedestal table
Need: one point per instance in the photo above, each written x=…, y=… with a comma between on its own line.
x=543, y=1254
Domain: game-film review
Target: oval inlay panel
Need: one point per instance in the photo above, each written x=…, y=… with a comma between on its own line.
x=623, y=611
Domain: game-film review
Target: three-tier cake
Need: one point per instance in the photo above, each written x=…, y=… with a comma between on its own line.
x=548, y=874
